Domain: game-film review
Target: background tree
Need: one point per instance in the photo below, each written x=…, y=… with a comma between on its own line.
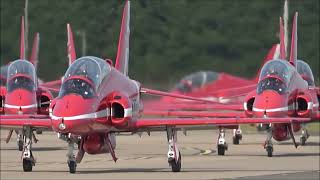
x=169, y=39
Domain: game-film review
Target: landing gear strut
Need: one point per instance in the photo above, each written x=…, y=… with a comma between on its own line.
x=304, y=136
x=27, y=157
x=222, y=144
x=268, y=144
x=237, y=136
x=174, y=156
x=72, y=163
x=19, y=140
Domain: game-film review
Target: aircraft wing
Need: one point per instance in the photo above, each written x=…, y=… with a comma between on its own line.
x=195, y=113
x=193, y=106
x=174, y=95
x=189, y=122
x=19, y=121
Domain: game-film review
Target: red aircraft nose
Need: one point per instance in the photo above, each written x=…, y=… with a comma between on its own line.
x=73, y=114
x=270, y=104
x=20, y=101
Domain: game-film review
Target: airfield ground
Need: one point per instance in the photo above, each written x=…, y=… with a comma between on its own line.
x=145, y=158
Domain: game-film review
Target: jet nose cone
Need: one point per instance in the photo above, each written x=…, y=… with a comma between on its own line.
x=73, y=105
x=71, y=114
x=270, y=104
x=20, y=101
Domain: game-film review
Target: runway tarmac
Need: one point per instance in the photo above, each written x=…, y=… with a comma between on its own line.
x=145, y=158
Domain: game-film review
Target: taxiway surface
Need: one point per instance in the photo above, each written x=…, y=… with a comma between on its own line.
x=145, y=158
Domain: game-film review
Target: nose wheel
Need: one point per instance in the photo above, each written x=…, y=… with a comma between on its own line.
x=304, y=136
x=72, y=166
x=237, y=136
x=222, y=144
x=72, y=163
x=269, y=150
x=174, y=156
x=268, y=144
x=27, y=158
x=27, y=165
x=175, y=165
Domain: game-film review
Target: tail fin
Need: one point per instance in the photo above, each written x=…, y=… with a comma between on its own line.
x=123, y=44
x=71, y=49
x=35, y=50
x=22, y=40
x=272, y=54
x=282, y=43
x=294, y=39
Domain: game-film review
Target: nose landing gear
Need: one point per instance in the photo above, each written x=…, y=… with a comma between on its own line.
x=268, y=144
x=237, y=136
x=27, y=158
x=174, y=156
x=222, y=144
x=304, y=136
x=72, y=163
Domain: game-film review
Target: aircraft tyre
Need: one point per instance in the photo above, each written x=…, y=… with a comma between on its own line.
x=303, y=141
x=269, y=150
x=221, y=149
x=236, y=139
x=27, y=165
x=176, y=165
x=72, y=166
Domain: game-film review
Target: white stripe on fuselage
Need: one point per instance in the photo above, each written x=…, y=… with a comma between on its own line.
x=271, y=110
x=99, y=114
x=310, y=106
x=22, y=107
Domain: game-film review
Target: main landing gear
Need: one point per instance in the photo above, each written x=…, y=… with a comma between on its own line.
x=27, y=157
x=222, y=144
x=237, y=136
x=304, y=136
x=72, y=163
x=174, y=156
x=268, y=143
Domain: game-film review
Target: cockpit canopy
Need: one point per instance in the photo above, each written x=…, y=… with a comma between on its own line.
x=196, y=80
x=305, y=71
x=84, y=76
x=277, y=68
x=21, y=74
x=275, y=75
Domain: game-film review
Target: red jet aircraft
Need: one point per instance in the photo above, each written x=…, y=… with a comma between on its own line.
x=110, y=103
x=285, y=89
x=22, y=93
